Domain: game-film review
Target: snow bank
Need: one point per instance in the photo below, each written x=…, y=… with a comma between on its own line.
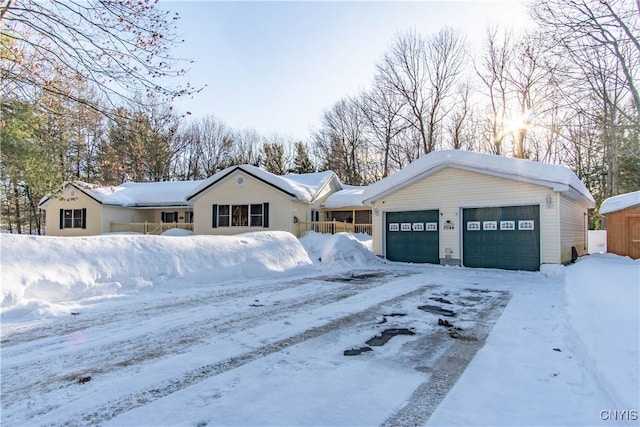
x=341, y=248
x=603, y=309
x=177, y=232
x=346, y=250
x=40, y=273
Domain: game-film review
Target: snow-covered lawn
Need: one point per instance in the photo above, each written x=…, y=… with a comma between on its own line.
x=252, y=330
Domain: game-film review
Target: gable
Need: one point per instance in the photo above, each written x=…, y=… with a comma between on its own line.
x=70, y=193
x=302, y=187
x=452, y=186
x=232, y=175
x=559, y=178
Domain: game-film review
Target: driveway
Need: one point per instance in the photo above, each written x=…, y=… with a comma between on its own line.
x=365, y=347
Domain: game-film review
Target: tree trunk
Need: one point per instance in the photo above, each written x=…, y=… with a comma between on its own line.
x=16, y=195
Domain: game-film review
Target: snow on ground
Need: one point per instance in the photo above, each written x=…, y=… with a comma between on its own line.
x=48, y=275
x=602, y=309
x=247, y=330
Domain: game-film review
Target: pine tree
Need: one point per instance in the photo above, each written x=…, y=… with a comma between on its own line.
x=274, y=158
x=302, y=163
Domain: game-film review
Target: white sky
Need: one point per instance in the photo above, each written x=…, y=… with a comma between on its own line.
x=277, y=66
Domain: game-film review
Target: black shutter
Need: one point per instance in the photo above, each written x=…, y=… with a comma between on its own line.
x=265, y=215
x=61, y=219
x=214, y=217
x=162, y=217
x=84, y=217
x=175, y=217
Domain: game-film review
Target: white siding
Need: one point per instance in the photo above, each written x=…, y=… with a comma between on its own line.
x=227, y=192
x=120, y=214
x=451, y=189
x=573, y=227
x=324, y=194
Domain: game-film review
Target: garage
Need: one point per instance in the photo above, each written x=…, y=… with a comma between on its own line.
x=490, y=211
x=413, y=236
x=502, y=237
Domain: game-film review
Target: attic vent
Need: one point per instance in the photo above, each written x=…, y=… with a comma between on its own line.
x=240, y=180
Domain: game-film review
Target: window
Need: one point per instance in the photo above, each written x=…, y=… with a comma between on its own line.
x=169, y=217
x=254, y=215
x=73, y=218
x=188, y=217
x=223, y=216
x=240, y=215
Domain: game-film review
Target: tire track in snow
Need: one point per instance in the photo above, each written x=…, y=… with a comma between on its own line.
x=448, y=368
x=116, y=356
x=13, y=336
x=126, y=403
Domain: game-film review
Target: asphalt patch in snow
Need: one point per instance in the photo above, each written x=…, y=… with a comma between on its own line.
x=387, y=334
x=434, y=309
x=356, y=277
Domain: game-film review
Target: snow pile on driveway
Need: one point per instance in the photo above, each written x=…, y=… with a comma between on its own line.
x=39, y=272
x=602, y=294
x=341, y=249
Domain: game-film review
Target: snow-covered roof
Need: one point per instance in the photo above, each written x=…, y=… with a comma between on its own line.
x=349, y=196
x=137, y=194
x=303, y=187
x=620, y=202
x=559, y=178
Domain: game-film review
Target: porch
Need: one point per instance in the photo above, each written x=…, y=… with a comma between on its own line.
x=147, y=227
x=331, y=227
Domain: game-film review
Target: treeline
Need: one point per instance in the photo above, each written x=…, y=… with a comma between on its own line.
x=564, y=91
x=41, y=149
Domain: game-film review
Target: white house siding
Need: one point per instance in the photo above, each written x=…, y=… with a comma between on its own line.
x=227, y=192
x=573, y=227
x=451, y=189
x=72, y=198
x=324, y=194
x=122, y=215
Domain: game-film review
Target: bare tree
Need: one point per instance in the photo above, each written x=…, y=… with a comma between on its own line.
x=122, y=48
x=444, y=63
x=492, y=68
x=403, y=70
x=530, y=76
x=341, y=143
x=382, y=109
x=599, y=42
x=583, y=27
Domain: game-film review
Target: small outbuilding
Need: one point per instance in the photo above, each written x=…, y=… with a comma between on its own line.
x=480, y=210
x=622, y=221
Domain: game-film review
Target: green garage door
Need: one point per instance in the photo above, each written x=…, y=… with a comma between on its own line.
x=506, y=237
x=412, y=236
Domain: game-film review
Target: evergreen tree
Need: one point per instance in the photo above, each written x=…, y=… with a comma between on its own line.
x=301, y=162
x=274, y=158
x=26, y=170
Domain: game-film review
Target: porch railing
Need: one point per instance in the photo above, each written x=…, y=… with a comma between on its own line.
x=147, y=227
x=332, y=227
